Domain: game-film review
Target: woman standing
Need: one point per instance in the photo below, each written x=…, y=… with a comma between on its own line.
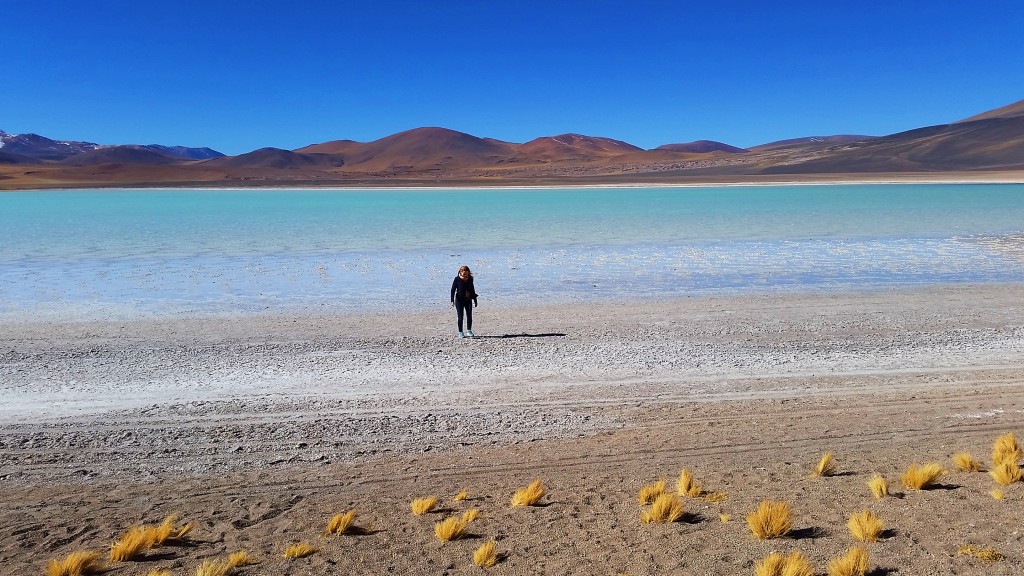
x=463, y=299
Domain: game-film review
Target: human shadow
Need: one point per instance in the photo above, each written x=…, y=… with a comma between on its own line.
x=526, y=335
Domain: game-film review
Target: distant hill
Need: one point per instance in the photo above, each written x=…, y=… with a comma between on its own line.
x=575, y=145
x=183, y=152
x=701, y=147
x=276, y=158
x=119, y=155
x=426, y=149
x=42, y=148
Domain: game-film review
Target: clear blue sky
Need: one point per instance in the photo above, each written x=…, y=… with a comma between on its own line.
x=240, y=75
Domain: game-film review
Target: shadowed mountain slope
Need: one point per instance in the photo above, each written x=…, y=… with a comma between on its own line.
x=996, y=143
x=1009, y=111
x=701, y=147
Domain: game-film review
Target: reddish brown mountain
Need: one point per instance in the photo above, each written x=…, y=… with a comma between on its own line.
x=575, y=146
x=426, y=149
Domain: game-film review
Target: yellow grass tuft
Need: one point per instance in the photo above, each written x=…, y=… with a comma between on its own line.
x=470, y=515
x=686, y=486
x=650, y=492
x=299, y=550
x=421, y=506
x=997, y=494
x=486, y=556
x=865, y=526
x=666, y=508
x=528, y=496
x=853, y=563
x=724, y=518
x=240, y=558
x=75, y=564
x=214, y=568
x=340, y=523
x=965, y=462
x=132, y=544
x=1005, y=473
x=1006, y=449
x=986, y=554
x=451, y=529
x=796, y=564
x=921, y=477
x=771, y=520
x=878, y=486
x=168, y=531
x=826, y=466
x=715, y=497
x=461, y=496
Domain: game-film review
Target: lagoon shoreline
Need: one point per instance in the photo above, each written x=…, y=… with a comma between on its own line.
x=259, y=427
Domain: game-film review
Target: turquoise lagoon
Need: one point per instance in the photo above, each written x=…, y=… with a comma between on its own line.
x=129, y=253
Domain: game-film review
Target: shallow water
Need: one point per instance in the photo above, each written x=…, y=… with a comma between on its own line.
x=98, y=253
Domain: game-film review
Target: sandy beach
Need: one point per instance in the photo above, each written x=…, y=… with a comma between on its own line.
x=258, y=429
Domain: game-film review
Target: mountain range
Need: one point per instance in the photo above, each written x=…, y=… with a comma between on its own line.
x=992, y=141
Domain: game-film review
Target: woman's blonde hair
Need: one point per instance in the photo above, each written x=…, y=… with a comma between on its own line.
x=466, y=268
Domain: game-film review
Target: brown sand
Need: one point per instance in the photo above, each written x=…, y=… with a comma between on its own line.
x=261, y=429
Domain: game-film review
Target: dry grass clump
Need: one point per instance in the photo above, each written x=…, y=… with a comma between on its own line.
x=75, y=564
x=826, y=466
x=1006, y=449
x=528, y=496
x=461, y=496
x=650, y=492
x=853, y=563
x=451, y=529
x=131, y=545
x=921, y=477
x=1005, y=473
x=421, y=506
x=485, y=556
x=470, y=515
x=666, y=508
x=686, y=486
x=299, y=550
x=214, y=568
x=725, y=518
x=997, y=494
x=169, y=532
x=341, y=522
x=966, y=463
x=715, y=497
x=879, y=486
x=775, y=564
x=986, y=554
x=771, y=520
x=240, y=558
x=865, y=526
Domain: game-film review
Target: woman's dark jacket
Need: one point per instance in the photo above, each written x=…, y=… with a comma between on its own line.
x=463, y=290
